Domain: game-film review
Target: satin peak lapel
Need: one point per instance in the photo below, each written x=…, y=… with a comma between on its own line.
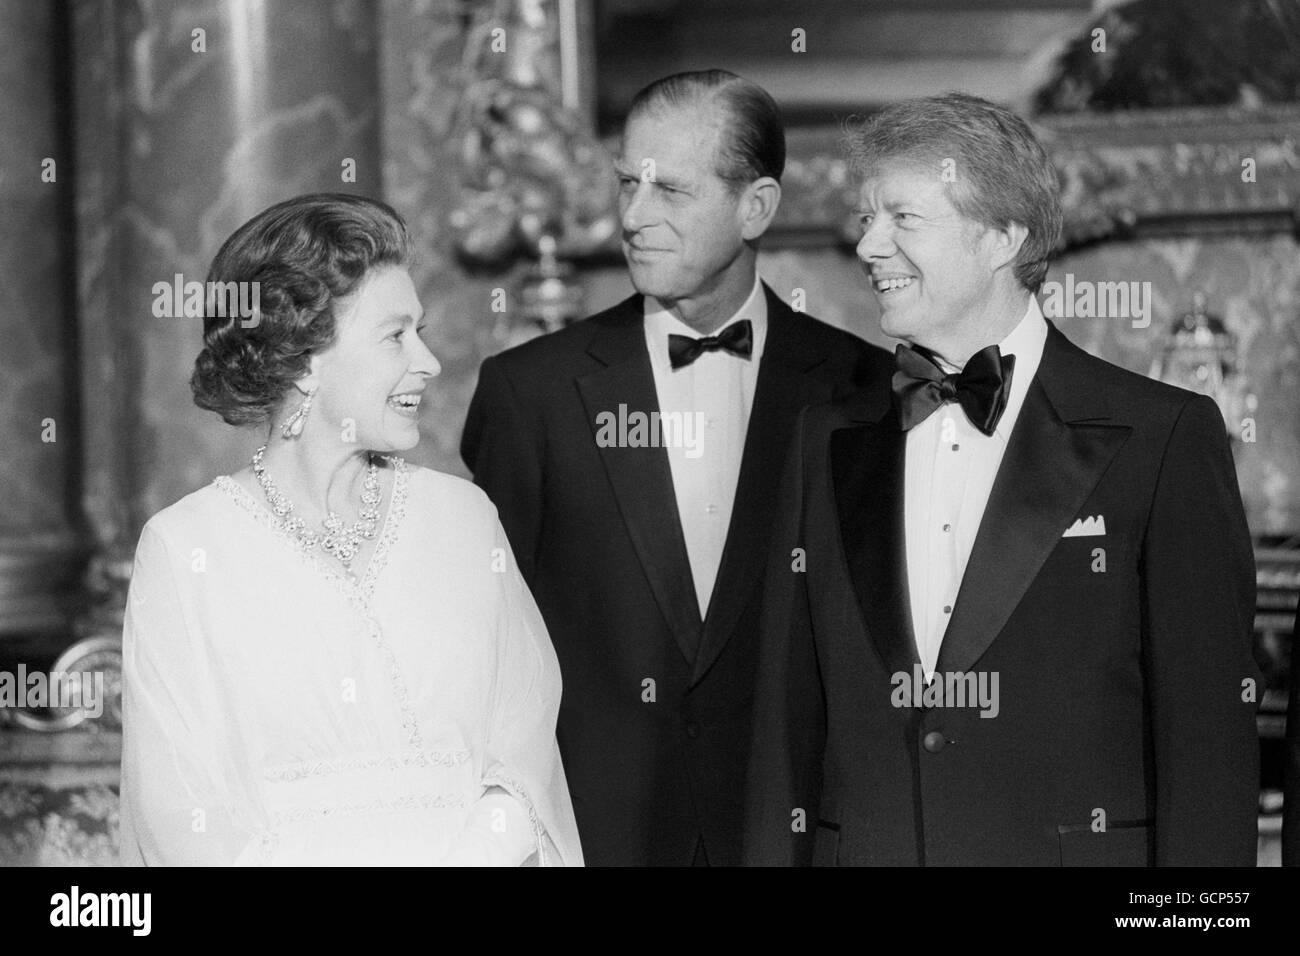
x=1049, y=469
x=784, y=386
x=867, y=472
x=642, y=477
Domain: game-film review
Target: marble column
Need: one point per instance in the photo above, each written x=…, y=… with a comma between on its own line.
x=191, y=118
x=41, y=551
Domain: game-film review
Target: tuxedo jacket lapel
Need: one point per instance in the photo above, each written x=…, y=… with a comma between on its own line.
x=642, y=477
x=785, y=385
x=1060, y=446
x=867, y=473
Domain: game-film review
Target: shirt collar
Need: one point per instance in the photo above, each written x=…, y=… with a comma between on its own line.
x=1026, y=343
x=661, y=323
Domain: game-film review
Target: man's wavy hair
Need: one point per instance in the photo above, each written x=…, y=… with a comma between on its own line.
x=305, y=254
x=1002, y=173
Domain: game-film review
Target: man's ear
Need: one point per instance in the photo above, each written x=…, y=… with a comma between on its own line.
x=1006, y=244
x=758, y=206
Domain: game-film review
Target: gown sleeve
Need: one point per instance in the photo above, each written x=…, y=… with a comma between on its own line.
x=180, y=799
x=523, y=758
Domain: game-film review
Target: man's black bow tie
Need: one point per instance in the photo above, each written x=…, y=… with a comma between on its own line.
x=737, y=338
x=981, y=388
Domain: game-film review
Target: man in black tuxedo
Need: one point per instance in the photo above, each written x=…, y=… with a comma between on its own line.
x=1023, y=635
x=634, y=459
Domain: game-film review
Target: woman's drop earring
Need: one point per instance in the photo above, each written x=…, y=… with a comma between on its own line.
x=292, y=426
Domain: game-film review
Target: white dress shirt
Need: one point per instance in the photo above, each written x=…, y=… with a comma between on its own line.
x=950, y=468
x=717, y=391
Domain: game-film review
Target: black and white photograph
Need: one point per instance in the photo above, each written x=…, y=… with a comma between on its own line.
x=652, y=433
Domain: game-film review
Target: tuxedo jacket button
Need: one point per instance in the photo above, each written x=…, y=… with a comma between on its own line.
x=692, y=729
x=934, y=741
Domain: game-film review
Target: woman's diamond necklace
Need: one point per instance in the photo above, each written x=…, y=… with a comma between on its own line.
x=341, y=542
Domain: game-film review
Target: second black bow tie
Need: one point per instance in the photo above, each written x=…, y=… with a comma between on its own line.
x=981, y=388
x=737, y=338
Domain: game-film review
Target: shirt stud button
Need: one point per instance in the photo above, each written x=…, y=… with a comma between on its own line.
x=947, y=609
x=955, y=447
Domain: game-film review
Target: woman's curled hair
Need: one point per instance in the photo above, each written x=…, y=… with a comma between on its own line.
x=304, y=254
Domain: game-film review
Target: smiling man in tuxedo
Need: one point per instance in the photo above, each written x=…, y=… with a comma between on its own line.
x=634, y=458
x=1021, y=629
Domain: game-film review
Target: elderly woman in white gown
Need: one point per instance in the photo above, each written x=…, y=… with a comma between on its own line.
x=330, y=656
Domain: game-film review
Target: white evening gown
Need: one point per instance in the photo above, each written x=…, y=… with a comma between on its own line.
x=277, y=712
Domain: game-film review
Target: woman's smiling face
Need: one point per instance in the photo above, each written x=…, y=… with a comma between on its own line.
x=371, y=378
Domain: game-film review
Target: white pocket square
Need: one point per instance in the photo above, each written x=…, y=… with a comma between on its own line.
x=1087, y=528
